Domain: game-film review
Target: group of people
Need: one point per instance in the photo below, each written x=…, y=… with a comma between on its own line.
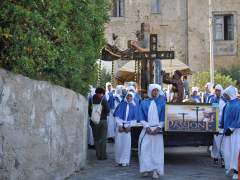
x=123, y=107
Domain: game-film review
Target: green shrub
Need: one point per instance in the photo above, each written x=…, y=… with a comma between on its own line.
x=200, y=79
x=58, y=41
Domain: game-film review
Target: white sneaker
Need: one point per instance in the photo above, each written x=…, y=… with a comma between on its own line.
x=155, y=175
x=235, y=176
x=145, y=174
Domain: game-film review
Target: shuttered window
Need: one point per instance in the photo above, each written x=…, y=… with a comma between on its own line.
x=118, y=8
x=224, y=27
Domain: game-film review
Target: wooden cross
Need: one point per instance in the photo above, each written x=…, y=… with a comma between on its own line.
x=146, y=56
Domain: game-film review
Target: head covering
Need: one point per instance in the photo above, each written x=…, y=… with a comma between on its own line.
x=92, y=91
x=219, y=87
x=231, y=91
x=119, y=89
x=209, y=86
x=129, y=93
x=131, y=88
x=151, y=87
x=108, y=84
x=194, y=89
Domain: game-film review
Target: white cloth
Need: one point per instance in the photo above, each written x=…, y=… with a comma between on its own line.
x=218, y=140
x=111, y=125
x=123, y=142
x=235, y=149
x=90, y=135
x=217, y=147
x=209, y=86
x=222, y=103
x=151, y=87
x=151, y=147
x=231, y=91
x=226, y=151
x=194, y=89
x=219, y=87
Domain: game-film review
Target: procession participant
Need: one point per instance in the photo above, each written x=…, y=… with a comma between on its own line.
x=215, y=98
x=232, y=127
x=208, y=92
x=90, y=133
x=110, y=119
x=99, y=129
x=118, y=96
x=195, y=97
x=126, y=116
x=150, y=145
x=136, y=97
x=218, y=101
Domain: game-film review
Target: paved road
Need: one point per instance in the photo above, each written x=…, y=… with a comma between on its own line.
x=180, y=164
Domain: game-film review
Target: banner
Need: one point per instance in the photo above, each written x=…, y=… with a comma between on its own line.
x=191, y=118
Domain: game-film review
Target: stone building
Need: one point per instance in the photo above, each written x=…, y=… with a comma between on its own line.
x=182, y=25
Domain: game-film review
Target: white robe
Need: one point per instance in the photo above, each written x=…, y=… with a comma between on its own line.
x=90, y=135
x=151, y=147
x=122, y=142
x=235, y=149
x=111, y=125
x=226, y=151
x=218, y=140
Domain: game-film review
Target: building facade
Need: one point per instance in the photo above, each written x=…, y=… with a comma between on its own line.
x=182, y=26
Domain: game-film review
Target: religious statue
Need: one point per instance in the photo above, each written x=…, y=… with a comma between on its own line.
x=177, y=85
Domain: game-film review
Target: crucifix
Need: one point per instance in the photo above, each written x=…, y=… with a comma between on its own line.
x=146, y=54
x=197, y=109
x=183, y=115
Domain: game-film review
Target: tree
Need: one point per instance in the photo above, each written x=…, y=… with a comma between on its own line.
x=55, y=40
x=200, y=79
x=105, y=77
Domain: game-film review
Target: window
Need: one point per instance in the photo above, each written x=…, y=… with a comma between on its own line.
x=118, y=8
x=223, y=27
x=155, y=6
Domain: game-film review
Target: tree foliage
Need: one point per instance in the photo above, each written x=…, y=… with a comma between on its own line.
x=55, y=40
x=233, y=72
x=200, y=79
x=105, y=77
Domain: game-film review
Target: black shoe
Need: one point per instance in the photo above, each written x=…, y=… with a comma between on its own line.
x=215, y=161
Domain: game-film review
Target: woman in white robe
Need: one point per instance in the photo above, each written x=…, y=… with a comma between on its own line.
x=110, y=119
x=151, y=146
x=126, y=116
x=231, y=117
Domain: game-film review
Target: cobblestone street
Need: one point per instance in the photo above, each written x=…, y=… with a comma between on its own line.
x=180, y=164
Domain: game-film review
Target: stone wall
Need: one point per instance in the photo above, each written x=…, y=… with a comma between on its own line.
x=42, y=129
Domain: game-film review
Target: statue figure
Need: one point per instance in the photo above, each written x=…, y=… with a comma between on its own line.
x=177, y=85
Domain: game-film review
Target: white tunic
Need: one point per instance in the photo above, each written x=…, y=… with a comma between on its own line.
x=226, y=151
x=151, y=147
x=218, y=139
x=111, y=125
x=122, y=142
x=235, y=149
